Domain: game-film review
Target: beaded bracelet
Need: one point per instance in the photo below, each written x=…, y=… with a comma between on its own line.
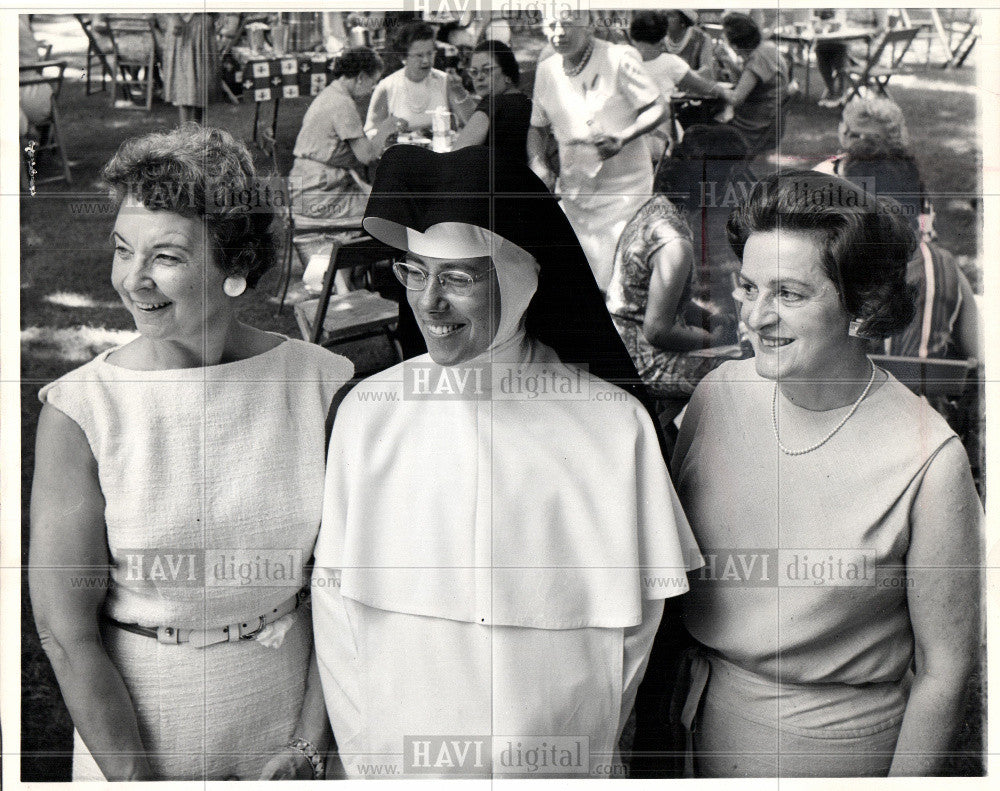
x=305, y=747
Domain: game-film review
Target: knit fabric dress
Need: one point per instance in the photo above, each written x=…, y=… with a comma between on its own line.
x=208, y=469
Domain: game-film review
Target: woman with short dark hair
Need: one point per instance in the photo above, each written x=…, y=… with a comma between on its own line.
x=332, y=150
x=503, y=115
x=761, y=90
x=168, y=471
x=838, y=507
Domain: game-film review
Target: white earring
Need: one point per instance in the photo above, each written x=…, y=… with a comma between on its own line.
x=854, y=329
x=234, y=285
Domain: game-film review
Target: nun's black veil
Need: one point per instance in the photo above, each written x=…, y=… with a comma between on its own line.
x=417, y=188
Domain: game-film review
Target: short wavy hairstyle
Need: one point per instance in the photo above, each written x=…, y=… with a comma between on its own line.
x=359, y=60
x=408, y=34
x=865, y=241
x=504, y=57
x=741, y=31
x=871, y=115
x=649, y=26
x=205, y=174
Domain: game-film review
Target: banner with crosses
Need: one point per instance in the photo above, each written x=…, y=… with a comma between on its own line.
x=286, y=78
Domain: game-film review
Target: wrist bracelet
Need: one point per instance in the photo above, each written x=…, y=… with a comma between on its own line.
x=305, y=747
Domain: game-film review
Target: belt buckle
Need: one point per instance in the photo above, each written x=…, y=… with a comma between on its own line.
x=252, y=634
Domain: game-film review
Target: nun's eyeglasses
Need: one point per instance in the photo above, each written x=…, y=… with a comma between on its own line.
x=453, y=281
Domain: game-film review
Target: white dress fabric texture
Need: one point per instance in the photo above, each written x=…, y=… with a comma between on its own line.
x=215, y=462
x=493, y=568
x=598, y=197
x=414, y=102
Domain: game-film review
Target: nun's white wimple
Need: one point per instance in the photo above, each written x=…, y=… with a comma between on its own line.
x=517, y=270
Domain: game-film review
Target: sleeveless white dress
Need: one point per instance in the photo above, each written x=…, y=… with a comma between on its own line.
x=216, y=463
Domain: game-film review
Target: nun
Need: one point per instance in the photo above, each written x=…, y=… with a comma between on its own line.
x=499, y=529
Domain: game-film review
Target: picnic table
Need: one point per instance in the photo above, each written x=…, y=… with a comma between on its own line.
x=805, y=39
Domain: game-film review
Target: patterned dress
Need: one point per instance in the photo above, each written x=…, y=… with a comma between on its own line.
x=668, y=374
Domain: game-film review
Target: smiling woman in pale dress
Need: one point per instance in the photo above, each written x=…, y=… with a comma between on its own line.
x=810, y=454
x=198, y=442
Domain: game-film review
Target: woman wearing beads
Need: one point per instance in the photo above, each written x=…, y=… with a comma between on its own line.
x=844, y=501
x=598, y=101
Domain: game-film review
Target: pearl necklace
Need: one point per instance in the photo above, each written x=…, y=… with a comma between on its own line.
x=838, y=427
x=584, y=60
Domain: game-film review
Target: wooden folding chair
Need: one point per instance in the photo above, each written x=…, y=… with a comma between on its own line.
x=891, y=47
x=133, y=44
x=98, y=53
x=929, y=376
x=51, y=136
x=333, y=319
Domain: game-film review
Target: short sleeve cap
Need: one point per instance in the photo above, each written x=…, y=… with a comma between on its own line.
x=634, y=81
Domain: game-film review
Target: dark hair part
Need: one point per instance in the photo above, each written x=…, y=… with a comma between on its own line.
x=891, y=170
x=504, y=57
x=359, y=60
x=741, y=31
x=198, y=172
x=408, y=34
x=649, y=27
x=865, y=243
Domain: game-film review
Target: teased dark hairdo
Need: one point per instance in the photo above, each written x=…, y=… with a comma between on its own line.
x=200, y=172
x=866, y=243
x=504, y=57
x=741, y=31
x=890, y=170
x=359, y=60
x=649, y=27
x=415, y=31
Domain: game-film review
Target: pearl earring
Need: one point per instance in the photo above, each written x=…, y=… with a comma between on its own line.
x=234, y=285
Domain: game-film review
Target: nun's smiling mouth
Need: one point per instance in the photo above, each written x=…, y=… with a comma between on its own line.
x=442, y=330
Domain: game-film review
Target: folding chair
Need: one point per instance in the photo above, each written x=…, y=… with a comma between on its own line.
x=929, y=376
x=892, y=46
x=134, y=49
x=333, y=319
x=51, y=136
x=97, y=53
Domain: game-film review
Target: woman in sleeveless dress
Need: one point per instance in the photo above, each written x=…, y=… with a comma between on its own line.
x=178, y=490
x=837, y=616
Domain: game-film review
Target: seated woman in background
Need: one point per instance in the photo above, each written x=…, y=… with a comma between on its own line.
x=946, y=323
x=503, y=115
x=652, y=299
x=848, y=655
x=331, y=150
x=202, y=433
x=415, y=91
x=689, y=42
x=881, y=119
x=759, y=98
x=671, y=73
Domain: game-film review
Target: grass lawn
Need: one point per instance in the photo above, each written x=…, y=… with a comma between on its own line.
x=69, y=312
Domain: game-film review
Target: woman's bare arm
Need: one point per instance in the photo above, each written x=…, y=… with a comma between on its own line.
x=944, y=578
x=672, y=264
x=474, y=132
x=68, y=580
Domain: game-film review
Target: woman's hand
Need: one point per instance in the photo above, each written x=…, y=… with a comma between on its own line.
x=608, y=145
x=289, y=764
